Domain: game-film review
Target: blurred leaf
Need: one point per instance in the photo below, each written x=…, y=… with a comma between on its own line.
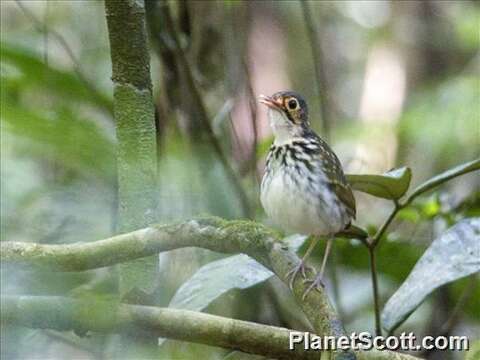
x=220, y=276
x=216, y=278
x=474, y=352
x=445, y=176
x=263, y=146
x=391, y=185
x=438, y=140
x=64, y=84
x=431, y=207
x=471, y=305
x=76, y=143
x=410, y=214
x=453, y=255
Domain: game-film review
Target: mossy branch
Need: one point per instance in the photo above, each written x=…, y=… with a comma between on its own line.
x=82, y=316
x=211, y=233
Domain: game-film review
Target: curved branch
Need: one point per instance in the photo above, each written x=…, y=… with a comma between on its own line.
x=459, y=170
x=81, y=316
x=210, y=233
x=65, y=314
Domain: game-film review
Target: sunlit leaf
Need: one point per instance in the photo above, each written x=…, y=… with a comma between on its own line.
x=391, y=185
x=453, y=255
x=410, y=214
x=431, y=207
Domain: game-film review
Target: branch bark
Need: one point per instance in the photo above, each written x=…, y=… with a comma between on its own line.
x=135, y=126
x=81, y=316
x=66, y=314
x=211, y=233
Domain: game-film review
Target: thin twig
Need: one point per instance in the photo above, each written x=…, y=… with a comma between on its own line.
x=45, y=33
x=335, y=285
x=45, y=29
x=376, y=238
x=376, y=299
x=253, y=118
x=321, y=84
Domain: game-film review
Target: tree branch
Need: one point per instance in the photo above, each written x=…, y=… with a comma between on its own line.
x=65, y=314
x=211, y=233
x=81, y=316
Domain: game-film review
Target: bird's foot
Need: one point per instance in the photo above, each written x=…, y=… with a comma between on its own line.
x=301, y=268
x=316, y=284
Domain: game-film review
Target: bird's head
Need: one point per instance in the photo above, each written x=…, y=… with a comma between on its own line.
x=288, y=114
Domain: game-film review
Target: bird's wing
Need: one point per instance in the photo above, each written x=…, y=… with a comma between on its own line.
x=336, y=178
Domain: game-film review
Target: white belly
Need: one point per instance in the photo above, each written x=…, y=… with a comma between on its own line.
x=293, y=209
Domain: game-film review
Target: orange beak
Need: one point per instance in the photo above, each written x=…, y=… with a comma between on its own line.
x=270, y=102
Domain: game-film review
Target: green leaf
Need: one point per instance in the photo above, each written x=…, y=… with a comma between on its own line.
x=474, y=352
x=453, y=255
x=409, y=214
x=216, y=278
x=391, y=185
x=64, y=84
x=445, y=176
x=263, y=147
x=77, y=143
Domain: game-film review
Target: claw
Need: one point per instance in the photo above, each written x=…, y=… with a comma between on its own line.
x=316, y=284
x=301, y=268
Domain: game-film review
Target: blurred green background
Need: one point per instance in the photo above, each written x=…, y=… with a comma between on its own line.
x=403, y=89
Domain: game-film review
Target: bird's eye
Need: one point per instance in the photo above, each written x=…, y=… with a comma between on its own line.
x=292, y=104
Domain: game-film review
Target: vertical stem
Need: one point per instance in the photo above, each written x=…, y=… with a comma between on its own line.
x=376, y=300
x=135, y=128
x=202, y=114
x=335, y=285
x=321, y=85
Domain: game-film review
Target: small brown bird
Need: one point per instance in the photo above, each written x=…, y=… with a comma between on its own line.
x=304, y=188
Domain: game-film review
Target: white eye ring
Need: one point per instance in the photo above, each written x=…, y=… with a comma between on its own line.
x=292, y=104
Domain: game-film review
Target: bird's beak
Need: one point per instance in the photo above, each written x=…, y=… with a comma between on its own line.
x=270, y=102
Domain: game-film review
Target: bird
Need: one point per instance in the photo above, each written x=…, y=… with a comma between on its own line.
x=303, y=189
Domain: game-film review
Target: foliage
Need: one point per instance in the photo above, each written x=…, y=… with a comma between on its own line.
x=59, y=145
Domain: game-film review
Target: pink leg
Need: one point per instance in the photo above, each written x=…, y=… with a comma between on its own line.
x=315, y=284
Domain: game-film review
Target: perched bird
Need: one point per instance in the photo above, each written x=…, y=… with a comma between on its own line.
x=304, y=188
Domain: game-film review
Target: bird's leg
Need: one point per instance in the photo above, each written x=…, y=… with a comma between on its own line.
x=301, y=267
x=318, y=279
